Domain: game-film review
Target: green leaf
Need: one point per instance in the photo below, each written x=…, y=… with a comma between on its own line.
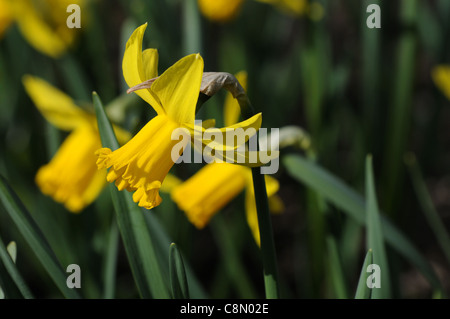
x=110, y=266
x=162, y=240
x=375, y=238
x=34, y=237
x=178, y=281
x=362, y=290
x=137, y=240
x=8, y=257
x=335, y=269
x=350, y=202
x=426, y=203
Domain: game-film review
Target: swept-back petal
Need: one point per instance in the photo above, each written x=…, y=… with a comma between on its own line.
x=57, y=107
x=137, y=66
x=178, y=88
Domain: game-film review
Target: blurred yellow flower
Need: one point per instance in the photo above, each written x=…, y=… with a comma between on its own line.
x=220, y=10
x=216, y=184
x=71, y=177
x=225, y=10
x=441, y=77
x=141, y=165
x=43, y=24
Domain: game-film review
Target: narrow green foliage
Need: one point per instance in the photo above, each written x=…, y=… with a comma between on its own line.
x=375, y=238
x=34, y=237
x=178, y=280
x=362, y=290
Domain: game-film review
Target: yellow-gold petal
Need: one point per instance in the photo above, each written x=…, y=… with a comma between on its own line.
x=57, y=107
x=141, y=165
x=71, y=177
x=272, y=186
x=209, y=190
x=177, y=89
x=138, y=66
x=220, y=10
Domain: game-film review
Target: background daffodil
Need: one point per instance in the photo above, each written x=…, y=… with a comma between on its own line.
x=43, y=23
x=216, y=184
x=220, y=10
x=71, y=177
x=141, y=165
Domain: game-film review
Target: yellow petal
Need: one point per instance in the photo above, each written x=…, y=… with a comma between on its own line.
x=49, y=37
x=220, y=10
x=141, y=165
x=57, y=107
x=232, y=110
x=178, y=88
x=140, y=66
x=6, y=16
x=208, y=191
x=275, y=205
x=169, y=183
x=441, y=77
x=71, y=177
x=150, y=59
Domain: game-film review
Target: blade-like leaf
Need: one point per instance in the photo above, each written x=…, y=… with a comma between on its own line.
x=34, y=237
x=362, y=290
x=7, y=256
x=136, y=238
x=426, y=203
x=375, y=238
x=335, y=269
x=349, y=201
x=178, y=281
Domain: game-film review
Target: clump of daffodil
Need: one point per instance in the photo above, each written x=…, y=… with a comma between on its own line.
x=220, y=10
x=71, y=177
x=141, y=165
x=43, y=23
x=216, y=184
x=441, y=77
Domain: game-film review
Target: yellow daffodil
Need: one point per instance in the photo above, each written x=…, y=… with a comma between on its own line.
x=220, y=10
x=441, y=77
x=141, y=165
x=43, y=23
x=71, y=177
x=216, y=184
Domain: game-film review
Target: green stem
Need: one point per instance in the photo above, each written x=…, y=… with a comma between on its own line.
x=266, y=235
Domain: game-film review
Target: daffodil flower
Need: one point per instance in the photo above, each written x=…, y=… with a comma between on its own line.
x=441, y=77
x=220, y=10
x=216, y=184
x=71, y=177
x=43, y=23
x=141, y=165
